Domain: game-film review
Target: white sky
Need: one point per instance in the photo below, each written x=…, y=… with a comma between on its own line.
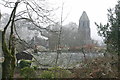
x=95, y=9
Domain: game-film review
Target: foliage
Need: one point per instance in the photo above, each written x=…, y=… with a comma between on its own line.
x=47, y=74
x=35, y=67
x=111, y=31
x=24, y=63
x=56, y=72
x=100, y=67
x=28, y=72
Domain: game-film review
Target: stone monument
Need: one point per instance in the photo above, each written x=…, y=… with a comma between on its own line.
x=84, y=36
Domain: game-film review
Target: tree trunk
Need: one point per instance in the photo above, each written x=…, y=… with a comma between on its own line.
x=8, y=65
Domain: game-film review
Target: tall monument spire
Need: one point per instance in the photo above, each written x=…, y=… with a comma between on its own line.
x=84, y=29
x=84, y=17
x=84, y=21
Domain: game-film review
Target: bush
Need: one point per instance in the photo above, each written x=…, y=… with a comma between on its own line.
x=100, y=67
x=47, y=74
x=28, y=72
x=56, y=72
x=25, y=63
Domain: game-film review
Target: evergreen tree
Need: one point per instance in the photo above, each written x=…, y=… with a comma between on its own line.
x=111, y=31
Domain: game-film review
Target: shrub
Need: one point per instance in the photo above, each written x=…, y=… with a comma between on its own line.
x=47, y=74
x=56, y=72
x=24, y=63
x=28, y=72
x=100, y=67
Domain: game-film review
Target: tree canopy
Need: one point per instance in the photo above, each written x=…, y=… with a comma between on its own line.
x=111, y=31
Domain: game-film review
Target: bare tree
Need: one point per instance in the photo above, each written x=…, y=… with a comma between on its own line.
x=35, y=14
x=60, y=34
x=0, y=15
x=9, y=51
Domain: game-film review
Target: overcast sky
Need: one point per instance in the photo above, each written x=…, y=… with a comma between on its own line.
x=95, y=9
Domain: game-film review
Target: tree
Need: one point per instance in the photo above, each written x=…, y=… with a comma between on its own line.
x=9, y=51
x=34, y=14
x=0, y=15
x=111, y=31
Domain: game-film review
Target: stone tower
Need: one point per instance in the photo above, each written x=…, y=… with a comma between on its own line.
x=84, y=30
